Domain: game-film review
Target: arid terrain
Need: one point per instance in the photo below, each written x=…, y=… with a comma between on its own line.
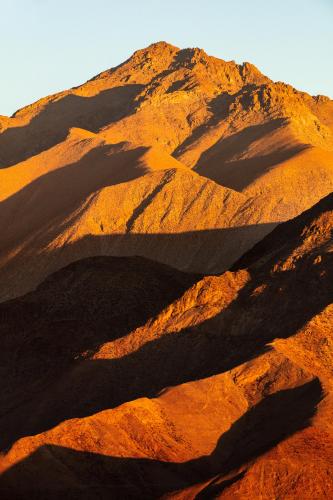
x=166, y=286
x=173, y=155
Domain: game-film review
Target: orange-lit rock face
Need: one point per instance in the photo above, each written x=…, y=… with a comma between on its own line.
x=224, y=391
x=123, y=377
x=173, y=155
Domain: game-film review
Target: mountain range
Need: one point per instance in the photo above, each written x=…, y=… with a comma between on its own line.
x=166, y=286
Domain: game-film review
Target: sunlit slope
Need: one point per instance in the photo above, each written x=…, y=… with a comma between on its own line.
x=244, y=393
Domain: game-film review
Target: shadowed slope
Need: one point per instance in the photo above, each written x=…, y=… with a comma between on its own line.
x=88, y=475
x=74, y=312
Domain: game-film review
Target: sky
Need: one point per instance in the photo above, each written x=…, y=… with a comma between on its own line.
x=51, y=45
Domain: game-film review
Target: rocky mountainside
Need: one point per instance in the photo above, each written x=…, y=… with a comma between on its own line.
x=166, y=286
x=137, y=381
x=174, y=155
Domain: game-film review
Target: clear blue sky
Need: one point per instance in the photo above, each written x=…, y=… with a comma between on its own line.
x=51, y=45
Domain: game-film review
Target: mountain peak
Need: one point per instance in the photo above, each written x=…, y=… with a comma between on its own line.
x=161, y=45
x=155, y=50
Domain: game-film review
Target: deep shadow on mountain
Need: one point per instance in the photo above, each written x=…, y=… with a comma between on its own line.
x=54, y=470
x=52, y=124
x=217, y=164
x=76, y=310
x=203, y=251
x=240, y=332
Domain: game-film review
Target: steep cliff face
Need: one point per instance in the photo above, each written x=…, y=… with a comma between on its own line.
x=224, y=390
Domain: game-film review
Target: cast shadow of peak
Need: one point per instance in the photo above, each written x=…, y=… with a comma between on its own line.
x=217, y=162
x=205, y=251
x=51, y=125
x=54, y=469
